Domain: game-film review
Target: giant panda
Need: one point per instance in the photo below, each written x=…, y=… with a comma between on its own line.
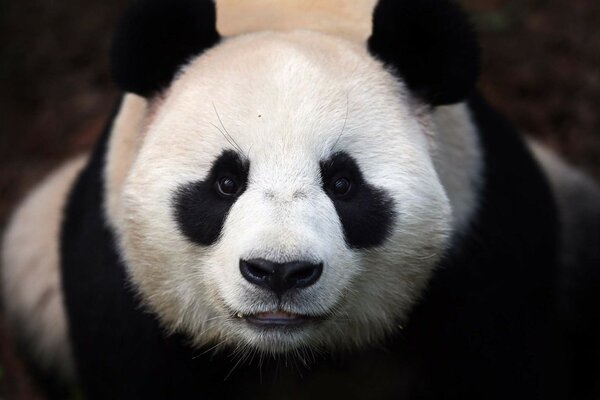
x=287, y=208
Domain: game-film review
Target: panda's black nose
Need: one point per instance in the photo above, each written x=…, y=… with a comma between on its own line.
x=280, y=277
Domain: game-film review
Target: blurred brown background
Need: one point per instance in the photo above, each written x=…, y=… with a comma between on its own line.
x=541, y=68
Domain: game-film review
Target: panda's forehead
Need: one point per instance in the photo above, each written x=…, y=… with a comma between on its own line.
x=286, y=96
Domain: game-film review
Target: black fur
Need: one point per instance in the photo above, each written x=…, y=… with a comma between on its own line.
x=367, y=213
x=487, y=327
x=156, y=37
x=199, y=209
x=430, y=44
x=580, y=288
x=120, y=350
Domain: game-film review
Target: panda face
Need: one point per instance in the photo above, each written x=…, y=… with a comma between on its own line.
x=283, y=196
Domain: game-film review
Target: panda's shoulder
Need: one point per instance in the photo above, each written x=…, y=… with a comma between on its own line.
x=31, y=280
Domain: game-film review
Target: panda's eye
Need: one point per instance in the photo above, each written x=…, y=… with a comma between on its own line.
x=227, y=186
x=341, y=187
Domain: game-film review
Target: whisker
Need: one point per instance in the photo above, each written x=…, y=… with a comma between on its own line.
x=249, y=150
x=260, y=364
x=240, y=360
x=217, y=317
x=225, y=136
x=210, y=326
x=235, y=144
x=210, y=349
x=344, y=126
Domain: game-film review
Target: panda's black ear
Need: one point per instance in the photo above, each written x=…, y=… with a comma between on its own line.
x=156, y=37
x=431, y=44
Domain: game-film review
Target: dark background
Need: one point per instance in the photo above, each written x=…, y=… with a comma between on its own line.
x=541, y=68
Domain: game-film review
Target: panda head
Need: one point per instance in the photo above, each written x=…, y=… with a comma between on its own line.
x=283, y=192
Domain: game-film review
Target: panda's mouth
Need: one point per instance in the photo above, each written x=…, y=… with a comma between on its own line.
x=276, y=319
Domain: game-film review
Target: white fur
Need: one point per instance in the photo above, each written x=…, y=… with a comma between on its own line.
x=458, y=161
x=567, y=182
x=31, y=283
x=288, y=99
x=571, y=187
x=122, y=147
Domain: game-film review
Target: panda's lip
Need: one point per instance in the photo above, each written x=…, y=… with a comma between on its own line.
x=276, y=318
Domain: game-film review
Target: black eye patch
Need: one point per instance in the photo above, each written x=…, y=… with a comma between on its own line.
x=200, y=207
x=366, y=212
